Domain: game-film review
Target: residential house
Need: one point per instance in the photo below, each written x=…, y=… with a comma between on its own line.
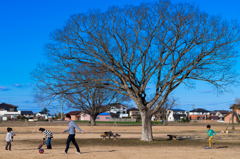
x=176, y=114
x=42, y=114
x=213, y=115
x=218, y=114
x=101, y=117
x=221, y=114
x=119, y=109
x=104, y=117
x=199, y=114
x=228, y=117
x=9, y=110
x=133, y=112
x=75, y=115
x=27, y=114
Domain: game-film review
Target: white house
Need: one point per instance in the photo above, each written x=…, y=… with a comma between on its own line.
x=176, y=114
x=221, y=114
x=9, y=110
x=27, y=114
x=119, y=109
x=42, y=114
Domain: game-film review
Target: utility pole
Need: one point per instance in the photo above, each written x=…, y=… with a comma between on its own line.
x=61, y=110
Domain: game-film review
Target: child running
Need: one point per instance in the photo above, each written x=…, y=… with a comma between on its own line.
x=210, y=134
x=71, y=136
x=8, y=139
x=48, y=134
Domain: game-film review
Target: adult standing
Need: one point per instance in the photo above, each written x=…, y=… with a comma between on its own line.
x=71, y=136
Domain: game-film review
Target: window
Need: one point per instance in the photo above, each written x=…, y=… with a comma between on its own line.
x=107, y=117
x=97, y=118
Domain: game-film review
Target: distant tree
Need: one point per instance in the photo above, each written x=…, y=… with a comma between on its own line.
x=45, y=111
x=159, y=43
x=55, y=116
x=165, y=110
x=59, y=115
x=90, y=98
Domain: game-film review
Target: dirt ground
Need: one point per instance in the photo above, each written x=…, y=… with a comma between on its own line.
x=191, y=142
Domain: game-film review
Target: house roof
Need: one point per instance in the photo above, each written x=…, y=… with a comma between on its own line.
x=42, y=113
x=133, y=109
x=199, y=110
x=26, y=113
x=230, y=113
x=105, y=113
x=4, y=106
x=117, y=105
x=177, y=110
x=223, y=111
x=74, y=113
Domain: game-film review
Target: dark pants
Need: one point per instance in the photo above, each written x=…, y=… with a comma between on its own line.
x=71, y=137
x=8, y=144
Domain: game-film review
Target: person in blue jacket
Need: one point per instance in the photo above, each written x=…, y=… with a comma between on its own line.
x=71, y=136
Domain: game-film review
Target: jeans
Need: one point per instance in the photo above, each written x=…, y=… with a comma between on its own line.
x=71, y=137
x=8, y=144
x=49, y=142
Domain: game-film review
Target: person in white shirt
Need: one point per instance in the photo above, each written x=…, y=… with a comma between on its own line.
x=8, y=139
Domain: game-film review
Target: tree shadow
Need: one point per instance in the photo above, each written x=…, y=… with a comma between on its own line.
x=220, y=147
x=162, y=140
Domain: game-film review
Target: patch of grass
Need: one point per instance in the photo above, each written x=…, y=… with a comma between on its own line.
x=135, y=142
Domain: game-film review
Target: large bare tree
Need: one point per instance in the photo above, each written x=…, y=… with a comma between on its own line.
x=159, y=43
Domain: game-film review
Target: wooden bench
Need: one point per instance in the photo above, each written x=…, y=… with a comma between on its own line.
x=109, y=134
x=174, y=137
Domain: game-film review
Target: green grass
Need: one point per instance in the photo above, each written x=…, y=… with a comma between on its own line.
x=119, y=122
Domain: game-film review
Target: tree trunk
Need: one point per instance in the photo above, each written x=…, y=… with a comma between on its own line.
x=166, y=120
x=156, y=118
x=146, y=126
x=93, y=118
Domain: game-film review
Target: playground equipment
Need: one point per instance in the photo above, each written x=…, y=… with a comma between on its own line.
x=230, y=119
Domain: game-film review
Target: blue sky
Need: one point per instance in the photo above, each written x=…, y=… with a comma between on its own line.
x=25, y=28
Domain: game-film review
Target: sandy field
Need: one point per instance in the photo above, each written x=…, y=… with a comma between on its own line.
x=191, y=142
